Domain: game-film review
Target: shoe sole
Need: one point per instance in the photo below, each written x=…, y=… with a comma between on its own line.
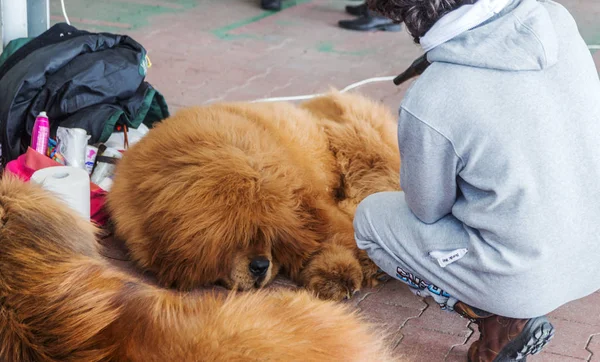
x=391, y=28
x=536, y=334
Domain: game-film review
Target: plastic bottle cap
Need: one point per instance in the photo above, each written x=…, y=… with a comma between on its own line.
x=43, y=114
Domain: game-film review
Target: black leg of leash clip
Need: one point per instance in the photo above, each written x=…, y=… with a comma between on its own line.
x=415, y=69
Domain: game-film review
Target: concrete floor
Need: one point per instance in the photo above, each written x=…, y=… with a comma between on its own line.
x=204, y=51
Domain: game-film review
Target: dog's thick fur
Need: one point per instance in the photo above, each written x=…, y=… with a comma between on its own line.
x=60, y=301
x=212, y=188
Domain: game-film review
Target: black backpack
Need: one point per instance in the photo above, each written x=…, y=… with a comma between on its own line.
x=93, y=81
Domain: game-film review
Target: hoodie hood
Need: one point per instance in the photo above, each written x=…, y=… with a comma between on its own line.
x=519, y=37
x=460, y=20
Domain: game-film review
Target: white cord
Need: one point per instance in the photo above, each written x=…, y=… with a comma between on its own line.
x=64, y=10
x=309, y=96
x=594, y=47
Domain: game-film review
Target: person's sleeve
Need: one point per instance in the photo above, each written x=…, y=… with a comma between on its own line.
x=428, y=170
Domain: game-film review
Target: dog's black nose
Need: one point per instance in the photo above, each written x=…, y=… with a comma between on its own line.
x=259, y=266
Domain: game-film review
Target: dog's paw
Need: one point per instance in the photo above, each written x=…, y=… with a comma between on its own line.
x=333, y=274
x=372, y=275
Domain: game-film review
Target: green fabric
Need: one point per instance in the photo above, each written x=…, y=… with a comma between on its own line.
x=143, y=110
x=153, y=109
x=158, y=110
x=12, y=47
x=110, y=124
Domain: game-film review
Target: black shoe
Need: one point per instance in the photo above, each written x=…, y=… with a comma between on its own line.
x=370, y=22
x=357, y=10
x=274, y=5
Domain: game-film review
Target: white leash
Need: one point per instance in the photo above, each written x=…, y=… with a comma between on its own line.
x=310, y=96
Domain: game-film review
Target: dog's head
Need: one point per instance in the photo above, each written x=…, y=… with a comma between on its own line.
x=249, y=225
x=228, y=216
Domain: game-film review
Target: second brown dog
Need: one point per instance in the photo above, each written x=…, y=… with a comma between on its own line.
x=237, y=193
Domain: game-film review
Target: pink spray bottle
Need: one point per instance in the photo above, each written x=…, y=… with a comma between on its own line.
x=40, y=133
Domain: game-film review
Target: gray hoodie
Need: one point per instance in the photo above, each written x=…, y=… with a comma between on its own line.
x=503, y=132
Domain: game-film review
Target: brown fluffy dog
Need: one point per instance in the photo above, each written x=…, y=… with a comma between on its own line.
x=60, y=301
x=235, y=193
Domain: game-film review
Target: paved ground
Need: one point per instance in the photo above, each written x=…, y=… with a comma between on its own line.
x=205, y=51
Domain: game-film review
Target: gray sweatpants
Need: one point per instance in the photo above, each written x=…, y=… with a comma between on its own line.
x=392, y=235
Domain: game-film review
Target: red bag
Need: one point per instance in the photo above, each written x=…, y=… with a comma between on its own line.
x=29, y=162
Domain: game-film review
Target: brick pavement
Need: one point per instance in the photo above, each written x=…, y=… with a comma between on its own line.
x=204, y=51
